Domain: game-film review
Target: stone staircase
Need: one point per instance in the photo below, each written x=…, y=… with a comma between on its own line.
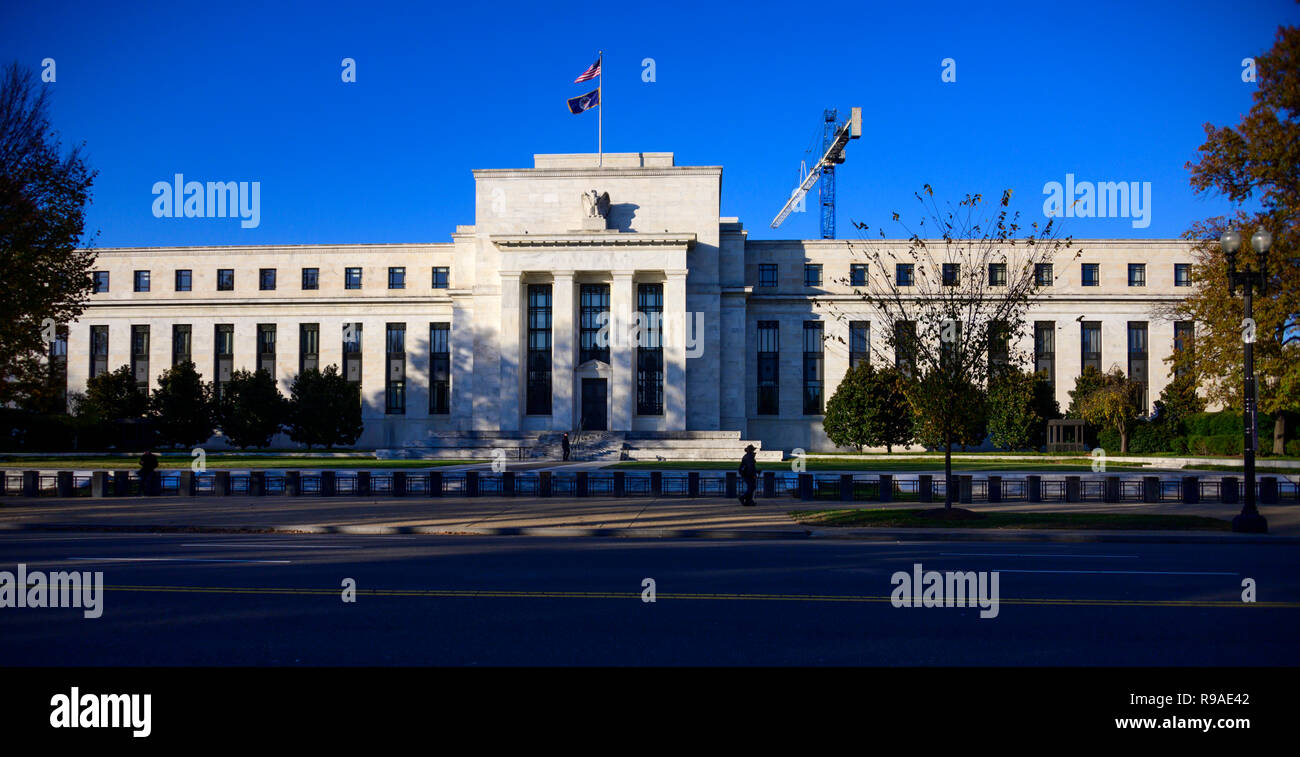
x=602, y=446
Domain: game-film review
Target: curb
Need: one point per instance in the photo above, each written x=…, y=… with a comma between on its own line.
x=856, y=534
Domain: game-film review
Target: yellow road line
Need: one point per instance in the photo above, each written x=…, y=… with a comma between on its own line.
x=511, y=594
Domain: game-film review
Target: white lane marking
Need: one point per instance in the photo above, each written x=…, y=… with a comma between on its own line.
x=167, y=559
x=1017, y=554
x=1126, y=572
x=270, y=545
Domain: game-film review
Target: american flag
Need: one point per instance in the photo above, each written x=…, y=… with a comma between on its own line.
x=590, y=73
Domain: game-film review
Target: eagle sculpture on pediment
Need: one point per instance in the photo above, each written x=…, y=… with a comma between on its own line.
x=595, y=204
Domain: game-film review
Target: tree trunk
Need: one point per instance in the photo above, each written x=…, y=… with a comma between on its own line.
x=1279, y=433
x=1123, y=441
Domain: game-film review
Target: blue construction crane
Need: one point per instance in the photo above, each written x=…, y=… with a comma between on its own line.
x=835, y=137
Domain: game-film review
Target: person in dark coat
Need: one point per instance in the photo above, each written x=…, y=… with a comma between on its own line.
x=148, y=464
x=749, y=475
x=564, y=445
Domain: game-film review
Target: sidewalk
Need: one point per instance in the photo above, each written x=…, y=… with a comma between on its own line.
x=595, y=516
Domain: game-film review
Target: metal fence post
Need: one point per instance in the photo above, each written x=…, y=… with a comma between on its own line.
x=966, y=484
x=995, y=488
x=1073, y=489
x=806, y=486
x=257, y=483
x=471, y=483
x=886, y=490
x=1268, y=490
x=508, y=483
x=1191, y=490
x=846, y=487
x=363, y=482
x=99, y=484
x=1034, y=488
x=31, y=483
x=221, y=483
x=620, y=483
x=925, y=487
x=656, y=483
x=328, y=483
x=731, y=484
x=399, y=483
x=1110, y=489
x=121, y=483
x=435, y=483
x=769, y=483
x=185, y=485
x=693, y=484
x=544, y=484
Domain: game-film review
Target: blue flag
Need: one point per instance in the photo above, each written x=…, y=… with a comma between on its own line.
x=584, y=102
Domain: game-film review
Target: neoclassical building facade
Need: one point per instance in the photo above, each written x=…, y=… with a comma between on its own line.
x=614, y=299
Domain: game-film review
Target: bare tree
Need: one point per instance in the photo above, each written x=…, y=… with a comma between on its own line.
x=953, y=297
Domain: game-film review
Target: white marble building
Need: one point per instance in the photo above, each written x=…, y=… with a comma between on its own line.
x=496, y=334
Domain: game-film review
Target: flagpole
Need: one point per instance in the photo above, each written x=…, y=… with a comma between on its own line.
x=600, y=117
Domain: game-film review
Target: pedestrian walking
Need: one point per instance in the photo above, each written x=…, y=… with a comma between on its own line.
x=564, y=446
x=749, y=475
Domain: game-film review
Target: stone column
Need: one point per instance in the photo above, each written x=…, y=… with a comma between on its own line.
x=622, y=352
x=462, y=361
x=512, y=352
x=677, y=324
x=563, y=351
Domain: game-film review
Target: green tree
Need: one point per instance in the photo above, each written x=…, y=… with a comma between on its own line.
x=869, y=409
x=936, y=425
x=845, y=422
x=112, y=396
x=1088, y=381
x=324, y=409
x=182, y=407
x=251, y=409
x=43, y=194
x=1115, y=405
x=1257, y=162
x=1016, y=410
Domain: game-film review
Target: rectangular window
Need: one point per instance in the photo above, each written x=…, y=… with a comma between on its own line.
x=141, y=281
x=1137, y=274
x=184, y=279
x=650, y=350
x=439, y=368
x=351, y=278
x=812, y=275
x=266, y=279
x=308, y=347
x=951, y=274
x=859, y=342
x=813, y=365
x=997, y=274
x=903, y=274
x=225, y=279
x=1184, y=335
x=224, y=352
x=593, y=315
x=397, y=277
x=98, y=350
x=1042, y=274
x=441, y=276
x=1045, y=350
x=1091, y=342
x=1091, y=274
x=539, y=349
x=59, y=367
x=1137, y=357
x=100, y=281
x=858, y=274
x=767, y=274
x=352, y=352
x=311, y=278
x=266, y=348
x=1182, y=274
x=182, y=344
x=395, y=380
x=140, y=357
x=905, y=347
x=769, y=370
x=999, y=347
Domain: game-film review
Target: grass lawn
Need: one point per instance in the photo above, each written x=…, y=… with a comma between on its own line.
x=909, y=518
x=885, y=466
x=123, y=462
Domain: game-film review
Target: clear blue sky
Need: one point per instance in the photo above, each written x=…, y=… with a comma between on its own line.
x=251, y=91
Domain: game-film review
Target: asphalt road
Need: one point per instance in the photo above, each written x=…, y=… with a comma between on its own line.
x=180, y=599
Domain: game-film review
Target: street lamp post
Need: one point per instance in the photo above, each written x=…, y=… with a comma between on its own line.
x=1249, y=520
